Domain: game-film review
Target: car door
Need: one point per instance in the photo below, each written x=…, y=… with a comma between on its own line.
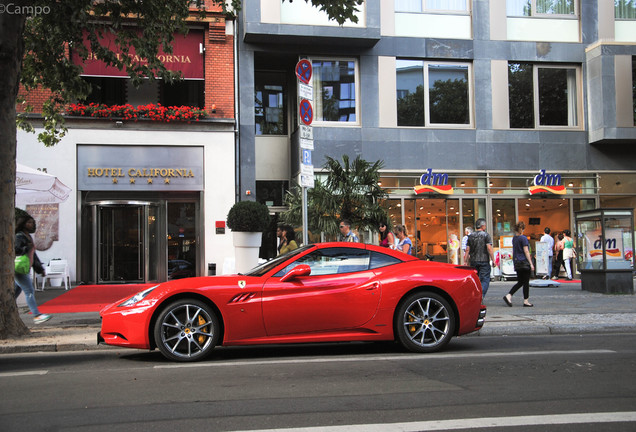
x=340, y=293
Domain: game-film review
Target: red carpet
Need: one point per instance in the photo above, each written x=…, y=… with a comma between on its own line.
x=90, y=298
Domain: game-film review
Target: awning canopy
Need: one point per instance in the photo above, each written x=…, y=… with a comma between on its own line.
x=186, y=57
x=37, y=187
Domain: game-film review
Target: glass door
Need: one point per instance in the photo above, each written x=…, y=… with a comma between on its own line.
x=120, y=254
x=182, y=240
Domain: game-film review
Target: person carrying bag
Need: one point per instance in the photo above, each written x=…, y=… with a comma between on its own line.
x=25, y=258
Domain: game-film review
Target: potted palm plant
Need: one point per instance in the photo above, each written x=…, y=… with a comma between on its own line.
x=247, y=220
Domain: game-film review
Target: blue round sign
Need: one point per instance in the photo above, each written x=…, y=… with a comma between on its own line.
x=303, y=71
x=306, y=112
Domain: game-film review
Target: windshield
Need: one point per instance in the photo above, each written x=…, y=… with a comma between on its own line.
x=274, y=262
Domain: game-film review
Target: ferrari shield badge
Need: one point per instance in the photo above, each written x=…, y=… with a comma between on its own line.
x=241, y=284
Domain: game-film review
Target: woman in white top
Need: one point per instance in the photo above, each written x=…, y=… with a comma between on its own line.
x=404, y=242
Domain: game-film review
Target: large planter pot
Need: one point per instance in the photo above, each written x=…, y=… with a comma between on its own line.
x=246, y=247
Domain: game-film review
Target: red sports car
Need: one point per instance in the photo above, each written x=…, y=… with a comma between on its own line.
x=324, y=292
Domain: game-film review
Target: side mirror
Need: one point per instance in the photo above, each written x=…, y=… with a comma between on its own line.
x=298, y=271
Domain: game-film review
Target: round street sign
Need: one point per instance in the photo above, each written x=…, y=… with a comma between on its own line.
x=303, y=71
x=306, y=112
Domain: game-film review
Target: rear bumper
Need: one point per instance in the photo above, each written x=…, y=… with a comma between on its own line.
x=482, y=318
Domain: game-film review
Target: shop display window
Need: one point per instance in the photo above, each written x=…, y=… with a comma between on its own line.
x=605, y=239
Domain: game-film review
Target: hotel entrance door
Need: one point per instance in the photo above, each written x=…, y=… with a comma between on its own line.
x=124, y=236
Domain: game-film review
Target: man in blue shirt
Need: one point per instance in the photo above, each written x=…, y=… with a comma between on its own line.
x=479, y=251
x=346, y=234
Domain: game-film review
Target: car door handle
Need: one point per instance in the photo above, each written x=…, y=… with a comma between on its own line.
x=374, y=286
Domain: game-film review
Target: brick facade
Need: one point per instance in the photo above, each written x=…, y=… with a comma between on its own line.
x=218, y=68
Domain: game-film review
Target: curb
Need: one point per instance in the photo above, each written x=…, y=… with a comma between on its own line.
x=494, y=329
x=561, y=329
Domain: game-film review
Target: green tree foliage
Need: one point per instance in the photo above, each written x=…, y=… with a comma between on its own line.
x=625, y=9
x=34, y=37
x=410, y=108
x=448, y=101
x=521, y=96
x=350, y=191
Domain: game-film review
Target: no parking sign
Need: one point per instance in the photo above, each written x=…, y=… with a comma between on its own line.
x=303, y=71
x=306, y=112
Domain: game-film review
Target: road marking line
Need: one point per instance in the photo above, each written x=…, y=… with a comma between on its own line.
x=381, y=358
x=474, y=423
x=26, y=373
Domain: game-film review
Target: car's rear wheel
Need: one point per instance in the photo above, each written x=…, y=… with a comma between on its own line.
x=186, y=330
x=425, y=322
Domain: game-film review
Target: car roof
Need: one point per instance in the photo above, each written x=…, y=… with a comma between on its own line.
x=395, y=253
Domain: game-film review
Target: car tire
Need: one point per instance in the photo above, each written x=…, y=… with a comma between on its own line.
x=186, y=330
x=425, y=322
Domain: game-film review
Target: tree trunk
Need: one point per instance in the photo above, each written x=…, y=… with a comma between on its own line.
x=11, y=53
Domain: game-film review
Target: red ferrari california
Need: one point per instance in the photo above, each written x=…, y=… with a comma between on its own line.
x=327, y=292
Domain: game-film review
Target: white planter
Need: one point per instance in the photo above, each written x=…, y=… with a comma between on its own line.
x=246, y=247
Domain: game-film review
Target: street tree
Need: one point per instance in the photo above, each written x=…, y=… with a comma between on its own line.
x=34, y=39
x=351, y=191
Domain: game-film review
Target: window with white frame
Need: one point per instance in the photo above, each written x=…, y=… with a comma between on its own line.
x=433, y=93
x=335, y=89
x=430, y=5
x=542, y=95
x=625, y=9
x=540, y=7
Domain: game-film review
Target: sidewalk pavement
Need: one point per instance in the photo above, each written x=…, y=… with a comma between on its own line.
x=566, y=309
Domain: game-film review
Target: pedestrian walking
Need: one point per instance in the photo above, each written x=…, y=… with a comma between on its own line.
x=404, y=242
x=25, y=226
x=467, y=231
x=288, y=240
x=387, y=239
x=346, y=234
x=568, y=252
x=558, y=254
x=523, y=265
x=479, y=254
x=547, y=238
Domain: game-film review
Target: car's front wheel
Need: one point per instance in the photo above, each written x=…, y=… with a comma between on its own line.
x=425, y=322
x=186, y=330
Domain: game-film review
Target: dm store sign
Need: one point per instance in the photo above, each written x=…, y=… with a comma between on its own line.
x=613, y=245
x=547, y=183
x=433, y=182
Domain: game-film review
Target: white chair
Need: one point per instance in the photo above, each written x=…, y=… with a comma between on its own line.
x=57, y=269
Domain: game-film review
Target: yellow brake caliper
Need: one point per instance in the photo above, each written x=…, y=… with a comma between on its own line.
x=204, y=329
x=412, y=328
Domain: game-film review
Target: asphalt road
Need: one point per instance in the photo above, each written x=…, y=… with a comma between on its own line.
x=529, y=383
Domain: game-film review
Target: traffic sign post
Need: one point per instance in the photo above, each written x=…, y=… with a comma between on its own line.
x=306, y=142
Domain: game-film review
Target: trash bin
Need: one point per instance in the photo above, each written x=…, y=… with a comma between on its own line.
x=211, y=269
x=605, y=250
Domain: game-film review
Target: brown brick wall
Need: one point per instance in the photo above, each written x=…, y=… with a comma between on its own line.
x=219, y=71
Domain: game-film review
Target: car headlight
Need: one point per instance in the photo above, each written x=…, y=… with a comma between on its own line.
x=137, y=297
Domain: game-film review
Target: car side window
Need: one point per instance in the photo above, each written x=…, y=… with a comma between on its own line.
x=332, y=261
x=382, y=260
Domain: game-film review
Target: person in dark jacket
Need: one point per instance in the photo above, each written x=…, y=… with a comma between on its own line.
x=25, y=226
x=523, y=265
